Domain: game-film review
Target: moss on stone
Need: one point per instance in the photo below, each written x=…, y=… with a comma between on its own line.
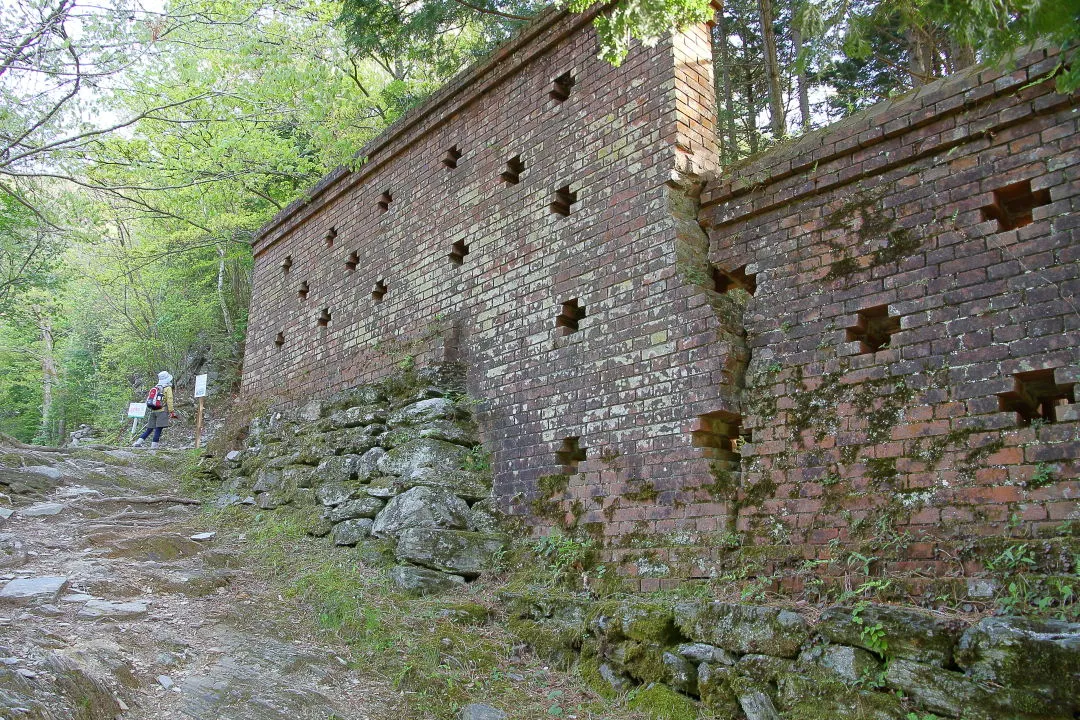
x=662, y=703
x=842, y=268
x=899, y=245
x=646, y=491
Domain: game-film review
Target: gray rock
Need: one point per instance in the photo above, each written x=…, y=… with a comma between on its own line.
x=301, y=476
x=353, y=441
x=6, y=512
x=108, y=610
x=425, y=411
x=385, y=487
x=353, y=417
x=233, y=456
x=458, y=432
x=19, y=482
x=203, y=536
x=271, y=500
x=334, y=493
x=485, y=517
x=679, y=674
x=1041, y=655
x=459, y=552
x=953, y=694
x=463, y=483
x=422, y=581
x=756, y=705
x=29, y=591
x=166, y=682
x=618, y=682
x=917, y=635
x=351, y=532
x=49, y=472
x=475, y=711
x=365, y=507
x=743, y=628
x=848, y=664
x=42, y=509
x=421, y=507
x=423, y=453
x=269, y=480
x=703, y=653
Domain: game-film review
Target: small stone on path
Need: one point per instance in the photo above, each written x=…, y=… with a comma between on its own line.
x=99, y=609
x=476, y=711
x=41, y=509
x=165, y=681
x=77, y=597
x=6, y=513
x=26, y=591
x=199, y=537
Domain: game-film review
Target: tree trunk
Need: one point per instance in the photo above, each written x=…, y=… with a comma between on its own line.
x=226, y=316
x=772, y=70
x=730, y=143
x=751, y=99
x=920, y=56
x=48, y=372
x=800, y=79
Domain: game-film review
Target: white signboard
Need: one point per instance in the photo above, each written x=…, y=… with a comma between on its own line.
x=200, y=386
x=137, y=410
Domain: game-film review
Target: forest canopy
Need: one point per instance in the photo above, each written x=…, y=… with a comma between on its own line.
x=142, y=144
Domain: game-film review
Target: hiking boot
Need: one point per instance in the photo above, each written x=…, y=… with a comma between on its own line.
x=154, y=445
x=138, y=443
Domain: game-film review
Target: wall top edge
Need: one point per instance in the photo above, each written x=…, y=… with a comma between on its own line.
x=879, y=123
x=466, y=87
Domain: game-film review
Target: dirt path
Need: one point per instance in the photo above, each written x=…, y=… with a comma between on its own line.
x=111, y=608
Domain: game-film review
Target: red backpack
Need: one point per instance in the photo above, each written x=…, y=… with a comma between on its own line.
x=155, y=399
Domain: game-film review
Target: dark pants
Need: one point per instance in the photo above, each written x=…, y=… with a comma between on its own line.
x=156, y=431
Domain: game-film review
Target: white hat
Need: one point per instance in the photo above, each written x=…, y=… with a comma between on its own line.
x=164, y=379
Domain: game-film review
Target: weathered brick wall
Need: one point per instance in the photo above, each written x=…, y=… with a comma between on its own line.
x=915, y=338
x=592, y=427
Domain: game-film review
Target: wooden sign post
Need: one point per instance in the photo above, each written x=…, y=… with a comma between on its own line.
x=200, y=395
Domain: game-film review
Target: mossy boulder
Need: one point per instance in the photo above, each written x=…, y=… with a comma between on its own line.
x=954, y=694
x=465, y=613
x=363, y=507
x=484, y=516
x=425, y=411
x=918, y=635
x=662, y=703
x=472, y=486
x=351, y=468
x=842, y=662
x=743, y=628
x=423, y=453
x=453, y=551
x=1038, y=655
x=361, y=396
x=421, y=507
x=350, y=532
x=714, y=687
x=422, y=581
x=354, y=441
x=457, y=432
x=353, y=417
x=643, y=622
x=814, y=697
x=555, y=641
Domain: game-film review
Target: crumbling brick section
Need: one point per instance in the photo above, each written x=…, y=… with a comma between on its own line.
x=915, y=327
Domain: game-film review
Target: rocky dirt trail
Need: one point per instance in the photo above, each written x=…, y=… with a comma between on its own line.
x=113, y=604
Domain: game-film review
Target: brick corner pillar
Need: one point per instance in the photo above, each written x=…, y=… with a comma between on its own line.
x=696, y=148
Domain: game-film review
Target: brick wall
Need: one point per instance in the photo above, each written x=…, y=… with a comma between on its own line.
x=857, y=347
x=915, y=328
x=593, y=338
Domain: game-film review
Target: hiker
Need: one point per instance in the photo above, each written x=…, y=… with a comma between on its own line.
x=159, y=401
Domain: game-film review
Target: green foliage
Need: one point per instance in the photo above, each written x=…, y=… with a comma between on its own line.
x=644, y=20
x=872, y=635
x=1013, y=559
x=1044, y=475
x=477, y=460
x=564, y=555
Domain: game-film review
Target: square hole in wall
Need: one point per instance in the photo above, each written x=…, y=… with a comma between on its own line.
x=569, y=319
x=514, y=167
x=378, y=292
x=451, y=158
x=564, y=198
x=286, y=265
x=725, y=280
x=874, y=329
x=561, y=86
x=329, y=238
x=458, y=252
x=571, y=453
x=279, y=340
x=324, y=317
x=384, y=201
x=302, y=291
x=1013, y=204
x=721, y=434
x=1036, y=396
x=353, y=262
